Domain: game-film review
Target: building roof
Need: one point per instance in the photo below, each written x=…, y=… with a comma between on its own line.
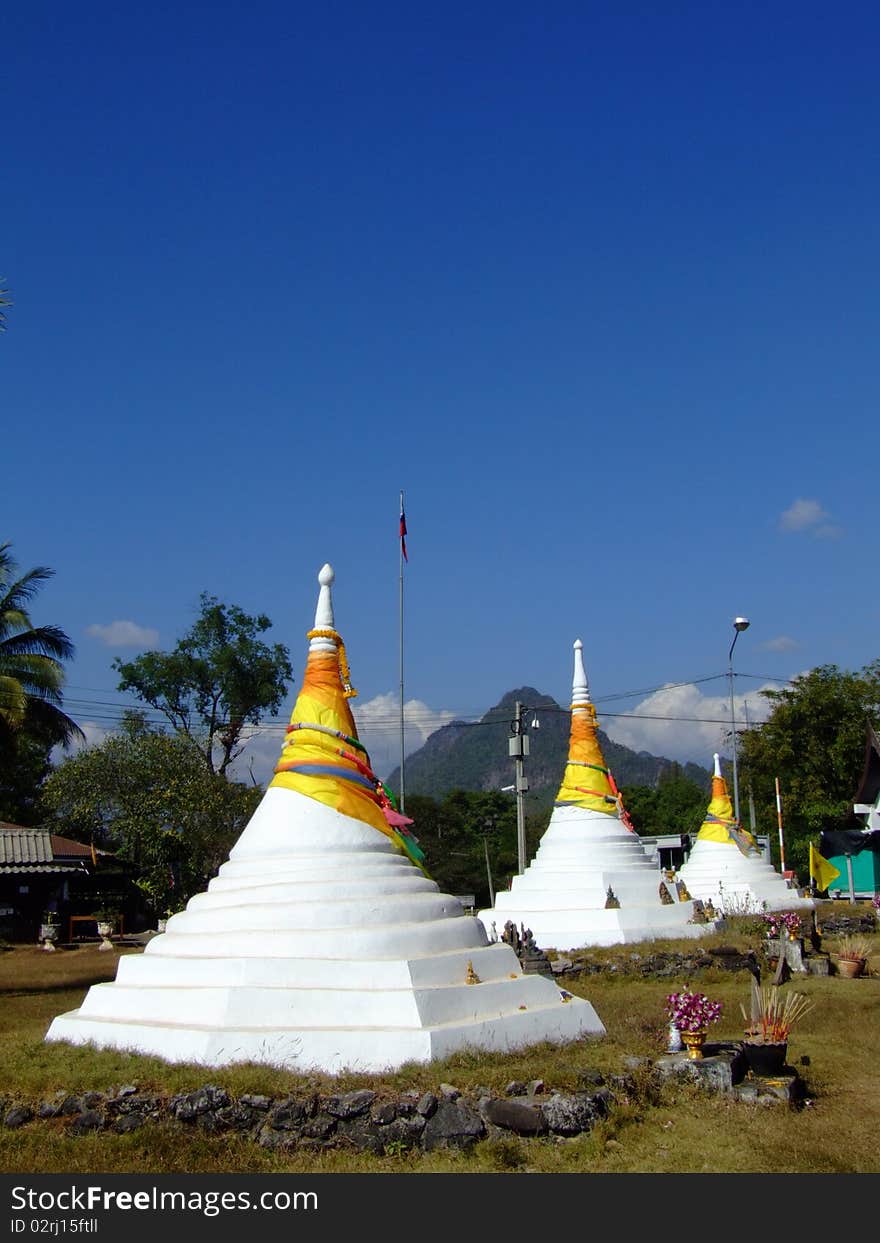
x=27, y=849
x=869, y=788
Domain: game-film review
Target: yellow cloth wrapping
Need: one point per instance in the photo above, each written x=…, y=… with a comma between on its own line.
x=322, y=701
x=721, y=807
x=582, y=786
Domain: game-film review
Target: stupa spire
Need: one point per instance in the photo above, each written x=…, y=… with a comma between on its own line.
x=720, y=824
x=587, y=781
x=322, y=756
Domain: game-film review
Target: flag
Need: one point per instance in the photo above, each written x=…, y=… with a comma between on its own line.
x=821, y=870
x=403, y=530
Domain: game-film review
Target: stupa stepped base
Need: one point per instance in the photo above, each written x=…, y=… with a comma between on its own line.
x=579, y=928
x=334, y=1050
x=735, y=882
x=548, y=890
x=203, y=1010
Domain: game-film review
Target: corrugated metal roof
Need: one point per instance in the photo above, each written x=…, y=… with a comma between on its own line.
x=28, y=869
x=21, y=845
x=25, y=846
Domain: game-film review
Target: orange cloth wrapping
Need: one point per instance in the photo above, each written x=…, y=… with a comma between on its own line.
x=720, y=824
x=322, y=702
x=586, y=782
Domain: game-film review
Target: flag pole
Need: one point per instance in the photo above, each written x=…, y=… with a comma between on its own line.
x=402, y=536
x=779, y=822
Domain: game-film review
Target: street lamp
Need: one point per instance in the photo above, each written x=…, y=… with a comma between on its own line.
x=739, y=623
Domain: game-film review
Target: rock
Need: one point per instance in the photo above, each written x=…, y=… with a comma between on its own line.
x=239, y=1117
x=127, y=1089
x=189, y=1106
x=572, y=1114
x=452, y=1125
x=384, y=1113
x=91, y=1100
x=351, y=1104
x=256, y=1102
x=560, y=965
x=18, y=1116
x=88, y=1120
x=449, y=1092
x=515, y=1116
x=535, y=1086
x=406, y=1131
x=515, y=1088
x=289, y=1115
x=360, y=1132
x=427, y=1105
x=322, y=1126
x=127, y=1122
x=71, y=1105
x=591, y=1078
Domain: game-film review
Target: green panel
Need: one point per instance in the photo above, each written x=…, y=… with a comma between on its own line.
x=866, y=873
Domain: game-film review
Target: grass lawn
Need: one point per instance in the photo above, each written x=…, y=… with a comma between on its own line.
x=673, y=1128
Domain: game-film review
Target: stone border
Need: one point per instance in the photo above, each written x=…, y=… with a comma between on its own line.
x=359, y=1119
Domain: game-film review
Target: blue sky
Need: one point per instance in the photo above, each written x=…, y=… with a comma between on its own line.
x=595, y=284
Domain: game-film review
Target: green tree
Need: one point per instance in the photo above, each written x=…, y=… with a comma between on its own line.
x=25, y=763
x=149, y=797
x=31, y=672
x=814, y=742
x=675, y=805
x=455, y=833
x=219, y=678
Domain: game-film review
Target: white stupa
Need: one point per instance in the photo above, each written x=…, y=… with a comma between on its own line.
x=726, y=867
x=588, y=848
x=322, y=944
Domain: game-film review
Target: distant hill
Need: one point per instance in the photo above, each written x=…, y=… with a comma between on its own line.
x=462, y=756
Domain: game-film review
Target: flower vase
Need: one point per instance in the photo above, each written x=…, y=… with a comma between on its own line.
x=105, y=931
x=674, y=1044
x=693, y=1042
x=49, y=935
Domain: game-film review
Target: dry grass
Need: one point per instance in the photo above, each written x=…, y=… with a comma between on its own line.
x=676, y=1129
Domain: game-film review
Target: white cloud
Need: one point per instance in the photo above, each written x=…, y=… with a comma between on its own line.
x=124, y=634
x=683, y=724
x=801, y=514
x=808, y=515
x=378, y=722
x=95, y=735
x=782, y=643
x=378, y=726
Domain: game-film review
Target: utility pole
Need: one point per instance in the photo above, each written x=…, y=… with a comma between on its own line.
x=518, y=747
x=752, y=817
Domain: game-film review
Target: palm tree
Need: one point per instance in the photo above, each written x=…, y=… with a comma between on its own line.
x=31, y=674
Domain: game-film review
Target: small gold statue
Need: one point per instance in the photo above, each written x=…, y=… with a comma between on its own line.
x=471, y=977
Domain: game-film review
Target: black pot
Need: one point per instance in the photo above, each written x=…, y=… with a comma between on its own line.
x=765, y=1059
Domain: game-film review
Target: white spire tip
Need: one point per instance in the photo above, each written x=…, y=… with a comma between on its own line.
x=326, y=574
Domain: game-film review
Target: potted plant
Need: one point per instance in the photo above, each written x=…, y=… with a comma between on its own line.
x=692, y=1013
x=769, y=1023
x=779, y=924
x=49, y=927
x=107, y=917
x=852, y=956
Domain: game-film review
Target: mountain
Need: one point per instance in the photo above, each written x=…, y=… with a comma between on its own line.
x=463, y=756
